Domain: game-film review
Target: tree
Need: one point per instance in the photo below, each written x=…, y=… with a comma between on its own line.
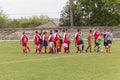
x=3, y=19
x=94, y=13
x=23, y=22
x=29, y=22
x=65, y=15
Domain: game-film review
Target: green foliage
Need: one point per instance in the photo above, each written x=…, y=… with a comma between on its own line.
x=29, y=22
x=34, y=21
x=94, y=13
x=65, y=16
x=3, y=19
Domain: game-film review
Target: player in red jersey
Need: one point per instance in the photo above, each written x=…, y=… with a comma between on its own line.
x=57, y=41
x=45, y=41
x=77, y=40
x=51, y=42
x=37, y=42
x=66, y=41
x=24, y=41
x=96, y=34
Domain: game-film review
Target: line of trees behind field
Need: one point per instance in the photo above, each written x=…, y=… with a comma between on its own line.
x=92, y=13
x=23, y=22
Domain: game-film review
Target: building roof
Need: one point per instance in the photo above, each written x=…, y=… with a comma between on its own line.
x=51, y=24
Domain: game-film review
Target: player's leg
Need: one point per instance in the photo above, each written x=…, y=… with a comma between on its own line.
x=78, y=47
x=46, y=44
x=41, y=44
x=82, y=47
x=87, y=47
x=58, y=46
x=82, y=42
x=69, y=46
x=52, y=49
x=38, y=50
x=105, y=46
x=45, y=49
x=55, y=48
x=90, y=44
x=28, y=48
x=95, y=45
x=109, y=47
x=61, y=42
x=66, y=47
x=98, y=47
x=24, y=48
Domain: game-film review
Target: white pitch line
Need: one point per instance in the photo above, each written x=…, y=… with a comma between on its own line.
x=30, y=60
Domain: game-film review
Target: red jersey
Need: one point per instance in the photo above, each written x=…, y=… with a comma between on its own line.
x=77, y=37
x=65, y=37
x=24, y=39
x=45, y=38
x=51, y=38
x=56, y=37
x=96, y=35
x=37, y=39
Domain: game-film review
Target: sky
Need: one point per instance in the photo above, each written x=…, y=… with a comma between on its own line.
x=28, y=8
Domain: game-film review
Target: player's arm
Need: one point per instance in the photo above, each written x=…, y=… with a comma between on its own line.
x=63, y=36
x=54, y=36
x=21, y=39
x=69, y=36
x=112, y=37
x=34, y=38
x=49, y=37
x=88, y=36
x=75, y=37
x=43, y=37
x=27, y=38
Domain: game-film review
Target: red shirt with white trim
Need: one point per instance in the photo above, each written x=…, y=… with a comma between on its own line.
x=24, y=39
x=65, y=37
x=56, y=37
x=77, y=37
x=45, y=38
x=96, y=35
x=37, y=38
x=51, y=38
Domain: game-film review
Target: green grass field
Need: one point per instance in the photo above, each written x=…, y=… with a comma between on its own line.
x=14, y=65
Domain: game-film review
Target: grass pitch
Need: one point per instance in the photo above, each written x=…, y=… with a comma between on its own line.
x=14, y=65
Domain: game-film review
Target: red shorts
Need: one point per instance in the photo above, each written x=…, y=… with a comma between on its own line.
x=69, y=42
x=78, y=43
x=37, y=44
x=24, y=44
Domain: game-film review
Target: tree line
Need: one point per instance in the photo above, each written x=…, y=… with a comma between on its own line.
x=23, y=22
x=92, y=13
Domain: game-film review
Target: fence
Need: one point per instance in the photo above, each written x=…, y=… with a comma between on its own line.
x=15, y=34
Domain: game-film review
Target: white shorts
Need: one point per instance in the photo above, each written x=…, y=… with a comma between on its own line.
x=65, y=45
x=51, y=44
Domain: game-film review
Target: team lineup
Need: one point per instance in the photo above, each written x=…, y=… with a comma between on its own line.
x=62, y=38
